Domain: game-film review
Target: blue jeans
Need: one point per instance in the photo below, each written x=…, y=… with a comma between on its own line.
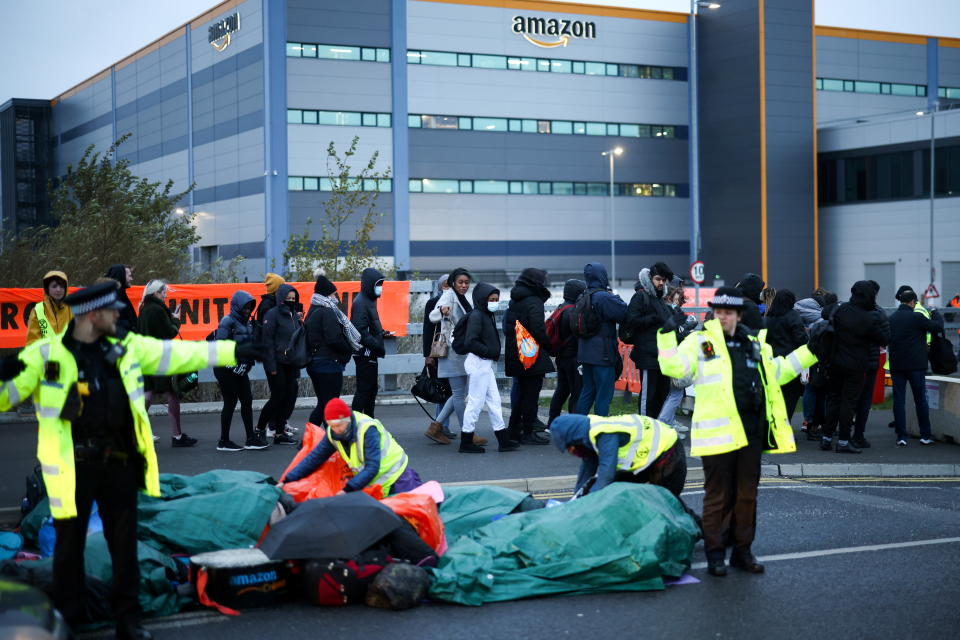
x=597, y=390
x=668, y=414
x=456, y=403
x=809, y=402
x=917, y=380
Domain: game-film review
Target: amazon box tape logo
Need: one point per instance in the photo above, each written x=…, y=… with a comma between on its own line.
x=553, y=32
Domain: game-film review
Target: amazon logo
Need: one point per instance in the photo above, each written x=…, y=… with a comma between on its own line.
x=218, y=34
x=531, y=28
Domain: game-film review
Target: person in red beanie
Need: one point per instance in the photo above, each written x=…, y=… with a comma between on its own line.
x=367, y=448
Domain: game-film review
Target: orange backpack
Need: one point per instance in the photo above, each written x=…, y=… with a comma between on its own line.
x=527, y=347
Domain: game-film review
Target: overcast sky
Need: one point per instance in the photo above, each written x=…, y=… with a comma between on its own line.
x=48, y=46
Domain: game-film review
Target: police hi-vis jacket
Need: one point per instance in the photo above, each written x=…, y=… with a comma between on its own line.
x=50, y=385
x=716, y=426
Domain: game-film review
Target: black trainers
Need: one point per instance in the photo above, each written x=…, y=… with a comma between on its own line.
x=536, y=425
x=860, y=443
x=534, y=437
x=282, y=438
x=826, y=443
x=228, y=445
x=183, y=441
x=745, y=562
x=256, y=441
x=717, y=567
x=847, y=447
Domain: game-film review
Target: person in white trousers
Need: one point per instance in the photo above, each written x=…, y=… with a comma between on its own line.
x=481, y=343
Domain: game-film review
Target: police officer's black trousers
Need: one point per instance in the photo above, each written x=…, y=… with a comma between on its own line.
x=114, y=485
x=730, y=499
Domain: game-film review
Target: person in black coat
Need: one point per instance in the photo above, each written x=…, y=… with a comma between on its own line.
x=858, y=326
x=235, y=381
x=279, y=325
x=751, y=285
x=331, y=340
x=865, y=401
x=527, y=298
x=481, y=340
x=908, y=363
x=364, y=316
x=785, y=332
x=128, y=317
x=646, y=313
x=569, y=379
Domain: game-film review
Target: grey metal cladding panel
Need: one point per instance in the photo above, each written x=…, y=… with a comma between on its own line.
x=853, y=59
x=338, y=85
x=949, y=65
x=358, y=22
x=309, y=204
x=523, y=156
x=836, y=105
x=83, y=106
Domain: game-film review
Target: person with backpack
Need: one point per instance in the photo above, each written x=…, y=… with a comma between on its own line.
x=527, y=298
x=476, y=336
x=268, y=301
x=331, y=340
x=786, y=333
x=594, y=322
x=283, y=375
x=563, y=346
x=366, y=318
x=646, y=314
x=857, y=327
x=814, y=395
x=234, y=381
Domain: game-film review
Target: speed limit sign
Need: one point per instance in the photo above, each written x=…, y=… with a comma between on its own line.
x=696, y=272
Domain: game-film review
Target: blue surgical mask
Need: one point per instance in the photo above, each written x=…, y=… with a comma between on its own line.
x=378, y=291
x=493, y=307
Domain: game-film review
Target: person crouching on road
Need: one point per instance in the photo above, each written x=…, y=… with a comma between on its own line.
x=51, y=315
x=630, y=448
x=95, y=442
x=367, y=448
x=739, y=414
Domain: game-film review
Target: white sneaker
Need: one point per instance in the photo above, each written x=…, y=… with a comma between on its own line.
x=155, y=437
x=271, y=433
x=926, y=441
x=901, y=443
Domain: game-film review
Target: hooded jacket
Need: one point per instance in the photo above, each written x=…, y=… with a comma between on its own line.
x=751, y=285
x=785, y=330
x=646, y=313
x=364, y=315
x=233, y=326
x=278, y=327
x=527, y=297
x=269, y=299
x=860, y=326
x=128, y=315
x=327, y=344
x=156, y=321
x=57, y=314
x=481, y=337
x=601, y=350
x=573, y=430
x=810, y=311
x=571, y=291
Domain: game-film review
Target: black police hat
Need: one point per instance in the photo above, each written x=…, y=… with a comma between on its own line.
x=98, y=296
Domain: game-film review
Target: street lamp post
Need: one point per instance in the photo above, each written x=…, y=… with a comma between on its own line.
x=933, y=164
x=694, y=137
x=613, y=252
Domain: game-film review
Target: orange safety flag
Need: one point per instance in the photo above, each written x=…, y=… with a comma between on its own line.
x=527, y=347
x=326, y=481
x=202, y=306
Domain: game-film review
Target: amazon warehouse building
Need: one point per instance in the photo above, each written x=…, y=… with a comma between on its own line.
x=812, y=145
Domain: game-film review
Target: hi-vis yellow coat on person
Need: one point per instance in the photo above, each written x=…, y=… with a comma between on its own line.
x=48, y=316
x=143, y=356
x=649, y=439
x=716, y=426
x=393, y=459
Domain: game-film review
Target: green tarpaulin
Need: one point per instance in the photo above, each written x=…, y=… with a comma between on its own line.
x=624, y=538
x=466, y=508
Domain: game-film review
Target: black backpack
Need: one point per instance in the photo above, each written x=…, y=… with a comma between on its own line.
x=943, y=361
x=459, y=344
x=823, y=339
x=585, y=321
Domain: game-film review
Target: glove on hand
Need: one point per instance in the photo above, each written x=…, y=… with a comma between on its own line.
x=669, y=325
x=10, y=368
x=248, y=351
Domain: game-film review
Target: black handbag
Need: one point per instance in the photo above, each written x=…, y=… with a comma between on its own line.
x=430, y=388
x=943, y=361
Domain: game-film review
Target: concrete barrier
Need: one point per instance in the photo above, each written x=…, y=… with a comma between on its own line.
x=943, y=396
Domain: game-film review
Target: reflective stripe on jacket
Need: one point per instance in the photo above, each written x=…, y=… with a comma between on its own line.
x=143, y=356
x=717, y=427
x=393, y=459
x=649, y=438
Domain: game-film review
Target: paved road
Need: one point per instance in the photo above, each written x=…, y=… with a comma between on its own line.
x=859, y=559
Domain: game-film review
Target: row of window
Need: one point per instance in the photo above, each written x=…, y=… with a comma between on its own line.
x=868, y=86
x=949, y=92
x=496, y=187
x=471, y=123
x=487, y=61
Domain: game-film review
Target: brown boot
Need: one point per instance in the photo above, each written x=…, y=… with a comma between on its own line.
x=477, y=440
x=435, y=433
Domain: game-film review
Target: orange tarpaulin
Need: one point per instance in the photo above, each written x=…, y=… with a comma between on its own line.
x=202, y=306
x=326, y=481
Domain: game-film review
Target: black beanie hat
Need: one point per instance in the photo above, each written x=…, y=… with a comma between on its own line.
x=323, y=286
x=903, y=289
x=662, y=270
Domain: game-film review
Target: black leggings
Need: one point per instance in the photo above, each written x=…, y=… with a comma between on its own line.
x=283, y=397
x=569, y=382
x=326, y=386
x=234, y=388
x=523, y=414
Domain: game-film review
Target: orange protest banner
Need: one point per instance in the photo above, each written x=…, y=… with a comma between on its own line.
x=202, y=306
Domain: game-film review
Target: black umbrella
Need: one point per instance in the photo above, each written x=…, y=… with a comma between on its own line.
x=337, y=527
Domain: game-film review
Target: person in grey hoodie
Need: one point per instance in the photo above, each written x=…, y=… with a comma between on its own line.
x=814, y=397
x=364, y=316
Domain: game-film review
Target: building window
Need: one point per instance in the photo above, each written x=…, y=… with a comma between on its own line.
x=871, y=86
x=541, y=188
x=338, y=118
x=559, y=127
x=321, y=183
x=337, y=52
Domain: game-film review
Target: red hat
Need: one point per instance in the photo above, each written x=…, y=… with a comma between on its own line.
x=335, y=410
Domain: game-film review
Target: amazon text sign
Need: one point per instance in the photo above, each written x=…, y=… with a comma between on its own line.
x=558, y=31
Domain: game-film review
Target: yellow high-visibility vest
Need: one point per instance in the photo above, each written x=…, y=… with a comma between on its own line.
x=393, y=459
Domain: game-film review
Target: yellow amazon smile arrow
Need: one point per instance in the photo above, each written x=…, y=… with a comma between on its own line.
x=561, y=43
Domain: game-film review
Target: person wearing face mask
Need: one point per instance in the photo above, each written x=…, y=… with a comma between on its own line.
x=366, y=318
x=527, y=298
x=372, y=454
x=331, y=340
x=481, y=342
x=739, y=414
x=279, y=325
x=49, y=316
x=646, y=313
x=234, y=382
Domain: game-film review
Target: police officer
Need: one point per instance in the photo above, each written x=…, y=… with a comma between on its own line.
x=95, y=441
x=739, y=414
x=366, y=446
